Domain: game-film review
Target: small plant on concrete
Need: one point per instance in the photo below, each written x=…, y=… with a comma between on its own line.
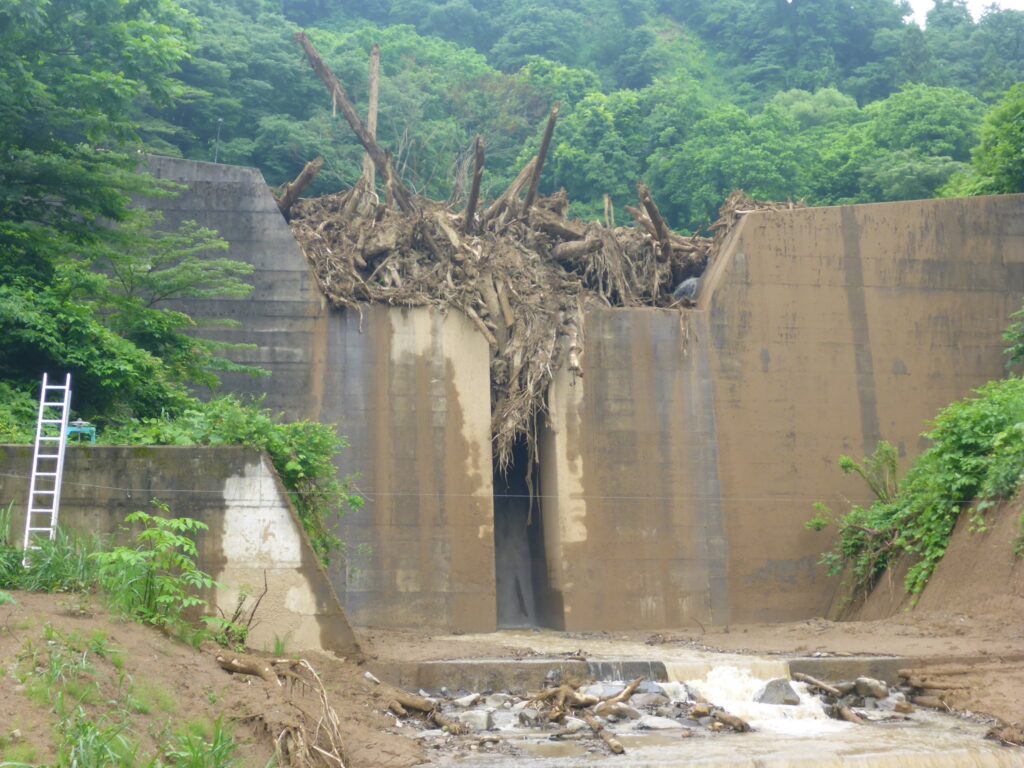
x=157, y=580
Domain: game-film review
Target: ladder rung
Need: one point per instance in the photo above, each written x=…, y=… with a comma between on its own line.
x=46, y=474
x=55, y=386
x=38, y=530
x=49, y=437
x=38, y=511
x=58, y=404
x=50, y=421
x=49, y=492
x=48, y=456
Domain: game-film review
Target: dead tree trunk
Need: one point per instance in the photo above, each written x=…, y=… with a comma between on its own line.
x=402, y=197
x=542, y=154
x=294, y=189
x=660, y=227
x=369, y=172
x=468, y=225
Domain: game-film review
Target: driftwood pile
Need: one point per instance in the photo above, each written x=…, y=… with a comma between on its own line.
x=564, y=710
x=518, y=267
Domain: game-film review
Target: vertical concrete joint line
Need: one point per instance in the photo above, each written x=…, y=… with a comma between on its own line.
x=856, y=303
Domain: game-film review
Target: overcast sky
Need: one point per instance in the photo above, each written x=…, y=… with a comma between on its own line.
x=921, y=7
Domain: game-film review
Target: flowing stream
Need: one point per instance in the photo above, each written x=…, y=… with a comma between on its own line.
x=793, y=736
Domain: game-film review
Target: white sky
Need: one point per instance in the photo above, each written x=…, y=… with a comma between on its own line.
x=921, y=7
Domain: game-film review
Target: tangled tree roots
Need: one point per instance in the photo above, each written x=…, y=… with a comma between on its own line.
x=518, y=268
x=523, y=277
x=298, y=716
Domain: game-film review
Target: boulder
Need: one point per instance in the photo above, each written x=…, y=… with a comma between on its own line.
x=778, y=691
x=466, y=701
x=648, y=700
x=476, y=719
x=528, y=716
x=499, y=700
x=655, y=723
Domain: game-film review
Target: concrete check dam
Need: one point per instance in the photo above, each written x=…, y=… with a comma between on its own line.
x=674, y=478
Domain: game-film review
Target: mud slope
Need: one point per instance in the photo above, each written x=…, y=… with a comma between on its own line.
x=979, y=575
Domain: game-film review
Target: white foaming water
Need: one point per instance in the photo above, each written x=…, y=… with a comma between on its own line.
x=735, y=691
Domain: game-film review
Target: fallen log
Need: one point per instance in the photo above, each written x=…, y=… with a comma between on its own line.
x=738, y=724
x=248, y=665
x=598, y=727
x=624, y=695
x=573, y=250
x=831, y=690
x=511, y=194
x=293, y=189
x=555, y=226
x=847, y=714
x=660, y=227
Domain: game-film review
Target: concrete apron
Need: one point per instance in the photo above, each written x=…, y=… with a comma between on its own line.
x=530, y=674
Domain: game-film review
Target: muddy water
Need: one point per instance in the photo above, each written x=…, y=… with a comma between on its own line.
x=800, y=736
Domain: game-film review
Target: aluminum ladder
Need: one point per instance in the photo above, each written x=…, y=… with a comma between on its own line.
x=47, y=463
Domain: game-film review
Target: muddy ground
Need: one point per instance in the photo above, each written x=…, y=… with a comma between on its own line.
x=179, y=688
x=995, y=688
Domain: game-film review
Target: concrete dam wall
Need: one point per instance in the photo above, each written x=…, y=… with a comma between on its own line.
x=675, y=476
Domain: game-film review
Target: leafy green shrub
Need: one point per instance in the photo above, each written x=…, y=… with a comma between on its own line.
x=302, y=452
x=976, y=457
x=18, y=410
x=156, y=581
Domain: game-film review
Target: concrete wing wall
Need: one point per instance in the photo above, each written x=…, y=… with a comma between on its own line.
x=832, y=329
x=253, y=532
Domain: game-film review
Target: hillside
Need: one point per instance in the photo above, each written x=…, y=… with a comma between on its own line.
x=829, y=102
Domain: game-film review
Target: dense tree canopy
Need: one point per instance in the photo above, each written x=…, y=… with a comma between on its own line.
x=82, y=271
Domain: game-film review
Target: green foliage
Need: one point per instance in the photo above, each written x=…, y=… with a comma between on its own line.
x=157, y=580
x=63, y=564
x=1014, y=338
x=997, y=165
x=303, y=453
x=976, y=455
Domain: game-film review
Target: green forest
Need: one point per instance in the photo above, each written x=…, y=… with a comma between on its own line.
x=826, y=101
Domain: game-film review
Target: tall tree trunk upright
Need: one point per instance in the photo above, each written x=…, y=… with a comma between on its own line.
x=402, y=196
x=549, y=130
x=474, y=191
x=369, y=172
